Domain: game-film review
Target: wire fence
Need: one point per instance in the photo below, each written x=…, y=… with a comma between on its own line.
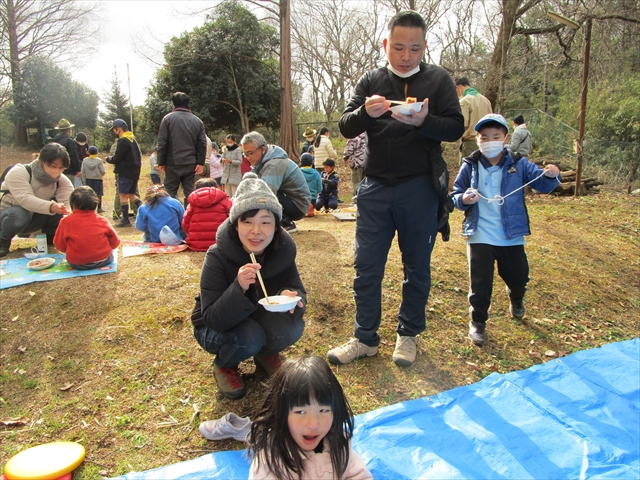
x=607, y=160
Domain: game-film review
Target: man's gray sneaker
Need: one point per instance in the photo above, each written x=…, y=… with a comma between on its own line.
x=477, y=333
x=350, y=351
x=405, y=353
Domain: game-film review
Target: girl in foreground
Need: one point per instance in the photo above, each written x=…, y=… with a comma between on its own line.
x=305, y=427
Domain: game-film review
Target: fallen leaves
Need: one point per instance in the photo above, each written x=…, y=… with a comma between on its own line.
x=67, y=386
x=550, y=353
x=13, y=422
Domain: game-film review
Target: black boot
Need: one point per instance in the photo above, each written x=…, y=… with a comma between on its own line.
x=4, y=246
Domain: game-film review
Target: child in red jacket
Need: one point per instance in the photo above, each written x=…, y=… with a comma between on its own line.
x=208, y=208
x=87, y=238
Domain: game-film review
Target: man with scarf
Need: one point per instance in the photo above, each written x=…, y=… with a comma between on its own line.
x=127, y=159
x=35, y=196
x=474, y=106
x=182, y=147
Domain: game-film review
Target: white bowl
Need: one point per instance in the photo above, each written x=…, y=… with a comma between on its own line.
x=406, y=108
x=41, y=263
x=279, y=303
x=31, y=256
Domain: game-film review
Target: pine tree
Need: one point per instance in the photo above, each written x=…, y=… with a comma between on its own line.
x=116, y=105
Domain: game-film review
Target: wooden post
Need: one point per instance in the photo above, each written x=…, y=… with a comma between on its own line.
x=583, y=101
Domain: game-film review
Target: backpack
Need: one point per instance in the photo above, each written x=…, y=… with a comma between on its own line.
x=245, y=166
x=6, y=171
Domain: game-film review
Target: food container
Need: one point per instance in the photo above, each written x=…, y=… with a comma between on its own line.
x=279, y=303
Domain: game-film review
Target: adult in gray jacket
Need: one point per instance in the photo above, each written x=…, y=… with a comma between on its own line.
x=520, y=138
x=285, y=179
x=35, y=196
x=182, y=147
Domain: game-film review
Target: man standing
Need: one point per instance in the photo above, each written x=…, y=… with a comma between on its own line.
x=182, y=147
x=474, y=106
x=405, y=180
x=65, y=139
x=272, y=164
x=520, y=138
x=127, y=159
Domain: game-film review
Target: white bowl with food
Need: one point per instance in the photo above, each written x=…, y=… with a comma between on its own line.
x=406, y=108
x=279, y=303
x=41, y=263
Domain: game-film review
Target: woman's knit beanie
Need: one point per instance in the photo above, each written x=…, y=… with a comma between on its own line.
x=253, y=194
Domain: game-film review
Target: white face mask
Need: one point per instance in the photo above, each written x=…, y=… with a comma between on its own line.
x=404, y=75
x=491, y=149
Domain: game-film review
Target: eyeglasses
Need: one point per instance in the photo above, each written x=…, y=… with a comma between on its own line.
x=248, y=154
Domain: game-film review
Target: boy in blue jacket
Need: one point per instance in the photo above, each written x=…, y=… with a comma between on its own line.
x=328, y=197
x=314, y=181
x=489, y=190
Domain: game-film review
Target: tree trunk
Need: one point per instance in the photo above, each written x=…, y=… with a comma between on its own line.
x=19, y=132
x=288, y=137
x=500, y=53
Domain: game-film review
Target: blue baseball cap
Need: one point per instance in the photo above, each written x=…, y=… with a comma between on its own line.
x=492, y=117
x=119, y=123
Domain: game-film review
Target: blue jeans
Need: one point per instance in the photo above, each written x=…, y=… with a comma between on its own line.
x=411, y=209
x=15, y=220
x=93, y=265
x=263, y=332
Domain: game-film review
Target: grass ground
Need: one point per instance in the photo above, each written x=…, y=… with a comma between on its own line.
x=110, y=361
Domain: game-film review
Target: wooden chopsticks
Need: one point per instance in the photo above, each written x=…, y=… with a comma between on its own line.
x=264, y=290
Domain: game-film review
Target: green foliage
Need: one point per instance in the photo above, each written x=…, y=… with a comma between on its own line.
x=6, y=127
x=116, y=105
x=614, y=111
x=47, y=93
x=227, y=68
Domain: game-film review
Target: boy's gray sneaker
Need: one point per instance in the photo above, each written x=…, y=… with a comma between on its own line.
x=477, y=333
x=350, y=351
x=405, y=353
x=229, y=426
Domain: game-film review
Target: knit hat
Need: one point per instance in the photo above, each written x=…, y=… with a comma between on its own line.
x=309, y=132
x=81, y=138
x=253, y=194
x=519, y=120
x=64, y=124
x=93, y=150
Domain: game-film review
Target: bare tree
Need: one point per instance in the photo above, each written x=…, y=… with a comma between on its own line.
x=336, y=42
x=50, y=28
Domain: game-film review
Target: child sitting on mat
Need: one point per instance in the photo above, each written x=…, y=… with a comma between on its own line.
x=87, y=238
x=208, y=208
x=489, y=189
x=158, y=210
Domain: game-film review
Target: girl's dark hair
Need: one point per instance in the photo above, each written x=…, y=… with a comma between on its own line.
x=205, y=182
x=52, y=152
x=298, y=382
x=83, y=198
x=154, y=195
x=322, y=131
x=231, y=136
x=277, y=234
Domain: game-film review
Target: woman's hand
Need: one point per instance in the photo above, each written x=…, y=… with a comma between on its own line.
x=292, y=293
x=59, y=208
x=247, y=275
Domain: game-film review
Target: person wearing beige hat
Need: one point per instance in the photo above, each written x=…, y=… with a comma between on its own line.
x=234, y=326
x=65, y=139
x=310, y=137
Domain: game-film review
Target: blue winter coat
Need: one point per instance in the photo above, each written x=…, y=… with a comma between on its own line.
x=314, y=181
x=168, y=211
x=515, y=173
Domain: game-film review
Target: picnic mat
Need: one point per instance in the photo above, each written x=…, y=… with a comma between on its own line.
x=131, y=248
x=572, y=417
x=14, y=272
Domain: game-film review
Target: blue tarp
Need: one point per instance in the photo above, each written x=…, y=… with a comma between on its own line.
x=573, y=417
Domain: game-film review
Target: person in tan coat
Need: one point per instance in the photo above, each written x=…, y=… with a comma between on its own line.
x=474, y=106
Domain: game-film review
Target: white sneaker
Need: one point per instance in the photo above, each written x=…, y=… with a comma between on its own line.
x=229, y=426
x=405, y=352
